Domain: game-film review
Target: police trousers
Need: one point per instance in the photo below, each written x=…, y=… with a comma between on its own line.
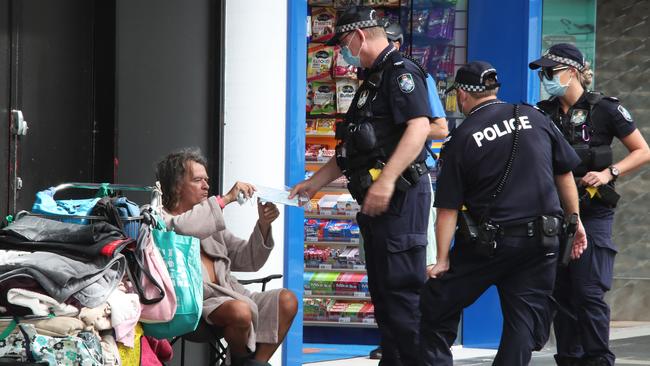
x=580, y=288
x=523, y=273
x=395, y=251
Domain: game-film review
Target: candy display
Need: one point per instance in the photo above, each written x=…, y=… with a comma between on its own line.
x=319, y=62
x=341, y=4
x=323, y=21
x=345, y=90
x=332, y=258
x=336, y=283
x=324, y=98
x=346, y=205
x=320, y=2
x=325, y=126
x=441, y=23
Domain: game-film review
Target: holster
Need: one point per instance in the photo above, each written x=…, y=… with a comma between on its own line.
x=548, y=228
x=482, y=237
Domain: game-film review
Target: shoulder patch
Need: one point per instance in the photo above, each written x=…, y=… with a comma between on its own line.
x=406, y=82
x=625, y=113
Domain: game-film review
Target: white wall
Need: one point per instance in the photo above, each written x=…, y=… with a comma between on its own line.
x=254, y=132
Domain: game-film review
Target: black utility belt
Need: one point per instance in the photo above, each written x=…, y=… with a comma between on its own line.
x=543, y=225
x=483, y=236
x=359, y=180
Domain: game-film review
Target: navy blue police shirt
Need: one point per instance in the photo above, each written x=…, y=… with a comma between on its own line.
x=402, y=94
x=607, y=120
x=474, y=156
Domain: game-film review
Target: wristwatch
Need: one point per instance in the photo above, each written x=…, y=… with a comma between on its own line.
x=614, y=171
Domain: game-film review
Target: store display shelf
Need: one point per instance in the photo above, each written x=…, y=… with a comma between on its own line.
x=331, y=269
x=332, y=243
x=312, y=162
x=340, y=323
x=334, y=189
x=331, y=217
x=338, y=297
x=320, y=134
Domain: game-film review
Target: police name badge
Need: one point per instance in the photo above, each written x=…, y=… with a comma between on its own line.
x=578, y=117
x=625, y=113
x=362, y=98
x=406, y=83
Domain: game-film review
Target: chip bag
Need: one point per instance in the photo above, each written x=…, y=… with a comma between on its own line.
x=319, y=62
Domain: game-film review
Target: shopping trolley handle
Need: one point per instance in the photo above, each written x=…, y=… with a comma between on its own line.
x=117, y=187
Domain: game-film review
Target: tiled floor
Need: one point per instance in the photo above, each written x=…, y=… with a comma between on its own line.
x=629, y=341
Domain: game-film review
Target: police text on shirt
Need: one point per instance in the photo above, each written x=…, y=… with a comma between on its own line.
x=500, y=129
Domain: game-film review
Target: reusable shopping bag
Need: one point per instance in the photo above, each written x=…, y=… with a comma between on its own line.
x=153, y=284
x=183, y=258
x=46, y=204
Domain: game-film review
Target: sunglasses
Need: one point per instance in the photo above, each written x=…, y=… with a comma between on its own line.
x=548, y=72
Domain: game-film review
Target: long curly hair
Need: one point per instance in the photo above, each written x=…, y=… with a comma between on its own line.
x=171, y=170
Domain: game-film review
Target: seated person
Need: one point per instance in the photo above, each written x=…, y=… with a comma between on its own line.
x=253, y=323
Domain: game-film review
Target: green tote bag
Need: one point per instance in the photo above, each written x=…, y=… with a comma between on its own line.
x=182, y=255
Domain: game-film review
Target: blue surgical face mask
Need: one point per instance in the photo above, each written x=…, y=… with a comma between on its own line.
x=554, y=87
x=347, y=54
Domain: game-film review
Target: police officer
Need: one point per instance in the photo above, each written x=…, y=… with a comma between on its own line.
x=506, y=165
x=381, y=153
x=589, y=121
x=438, y=131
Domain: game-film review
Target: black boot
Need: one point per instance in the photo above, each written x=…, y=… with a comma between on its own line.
x=375, y=354
x=594, y=361
x=567, y=361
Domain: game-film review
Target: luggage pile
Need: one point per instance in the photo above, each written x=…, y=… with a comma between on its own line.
x=83, y=281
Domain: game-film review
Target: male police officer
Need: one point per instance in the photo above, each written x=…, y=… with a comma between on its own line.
x=439, y=131
x=503, y=163
x=589, y=122
x=381, y=153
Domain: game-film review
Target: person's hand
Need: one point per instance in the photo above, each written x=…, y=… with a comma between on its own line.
x=378, y=197
x=304, y=188
x=579, y=242
x=438, y=269
x=595, y=179
x=246, y=188
x=267, y=212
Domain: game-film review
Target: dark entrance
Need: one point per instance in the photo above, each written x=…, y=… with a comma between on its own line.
x=57, y=67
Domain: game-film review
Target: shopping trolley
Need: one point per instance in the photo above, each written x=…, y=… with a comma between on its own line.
x=131, y=223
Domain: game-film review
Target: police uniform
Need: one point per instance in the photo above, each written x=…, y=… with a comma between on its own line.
x=523, y=265
x=589, y=126
x=393, y=93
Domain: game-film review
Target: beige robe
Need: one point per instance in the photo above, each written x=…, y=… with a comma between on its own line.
x=230, y=253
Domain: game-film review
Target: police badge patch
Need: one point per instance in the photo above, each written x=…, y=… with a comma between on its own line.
x=406, y=83
x=362, y=98
x=625, y=113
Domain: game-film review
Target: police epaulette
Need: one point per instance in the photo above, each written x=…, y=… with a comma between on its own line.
x=536, y=107
x=613, y=99
x=416, y=62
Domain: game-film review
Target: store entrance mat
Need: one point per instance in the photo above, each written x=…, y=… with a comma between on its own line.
x=317, y=352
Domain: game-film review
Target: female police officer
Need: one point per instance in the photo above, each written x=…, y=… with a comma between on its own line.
x=589, y=121
x=506, y=164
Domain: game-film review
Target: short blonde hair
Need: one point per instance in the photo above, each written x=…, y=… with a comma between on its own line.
x=374, y=32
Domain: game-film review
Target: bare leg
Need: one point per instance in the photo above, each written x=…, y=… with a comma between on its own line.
x=235, y=318
x=287, y=311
